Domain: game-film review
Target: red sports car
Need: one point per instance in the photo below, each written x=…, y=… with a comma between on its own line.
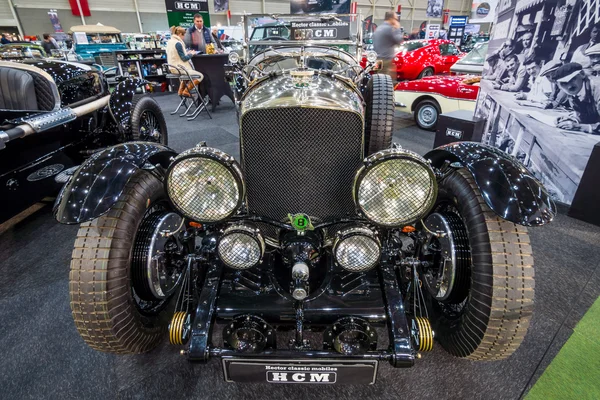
x=416, y=59
x=429, y=97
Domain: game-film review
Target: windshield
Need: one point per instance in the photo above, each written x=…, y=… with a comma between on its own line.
x=262, y=32
x=100, y=38
x=476, y=56
x=411, y=45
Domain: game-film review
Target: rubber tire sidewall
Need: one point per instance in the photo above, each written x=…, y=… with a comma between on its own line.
x=424, y=103
x=140, y=104
x=102, y=302
x=422, y=73
x=472, y=334
x=379, y=116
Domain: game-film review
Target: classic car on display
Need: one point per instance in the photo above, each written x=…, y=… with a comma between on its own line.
x=18, y=51
x=416, y=59
x=96, y=44
x=429, y=97
x=54, y=115
x=325, y=251
x=472, y=63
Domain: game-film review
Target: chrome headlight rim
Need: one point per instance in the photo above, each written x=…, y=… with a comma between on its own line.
x=248, y=230
x=350, y=232
x=388, y=155
x=228, y=161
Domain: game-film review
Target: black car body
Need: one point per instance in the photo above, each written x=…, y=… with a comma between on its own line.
x=53, y=115
x=322, y=253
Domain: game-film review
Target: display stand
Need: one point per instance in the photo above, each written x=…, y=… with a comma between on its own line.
x=458, y=126
x=144, y=64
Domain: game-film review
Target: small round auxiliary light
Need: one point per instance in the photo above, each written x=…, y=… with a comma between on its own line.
x=371, y=56
x=356, y=249
x=234, y=57
x=241, y=246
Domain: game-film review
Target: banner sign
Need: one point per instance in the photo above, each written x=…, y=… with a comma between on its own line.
x=55, y=21
x=313, y=30
x=433, y=31
x=181, y=13
x=459, y=20
x=221, y=6
x=75, y=7
x=484, y=11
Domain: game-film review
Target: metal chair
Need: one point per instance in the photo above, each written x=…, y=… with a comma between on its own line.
x=184, y=77
x=201, y=104
x=169, y=74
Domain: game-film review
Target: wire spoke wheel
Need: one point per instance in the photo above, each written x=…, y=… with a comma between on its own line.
x=149, y=127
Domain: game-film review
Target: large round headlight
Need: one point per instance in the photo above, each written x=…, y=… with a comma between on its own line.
x=205, y=184
x=241, y=246
x=356, y=249
x=395, y=187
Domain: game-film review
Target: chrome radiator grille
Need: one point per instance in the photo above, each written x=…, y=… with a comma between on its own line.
x=300, y=160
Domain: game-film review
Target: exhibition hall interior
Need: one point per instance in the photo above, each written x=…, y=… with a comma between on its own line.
x=300, y=199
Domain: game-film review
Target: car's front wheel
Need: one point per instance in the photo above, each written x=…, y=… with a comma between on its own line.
x=426, y=114
x=480, y=277
x=119, y=284
x=147, y=121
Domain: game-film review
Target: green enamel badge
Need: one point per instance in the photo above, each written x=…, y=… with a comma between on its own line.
x=301, y=222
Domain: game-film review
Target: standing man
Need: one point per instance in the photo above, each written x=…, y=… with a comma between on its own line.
x=583, y=96
x=48, y=45
x=198, y=36
x=385, y=39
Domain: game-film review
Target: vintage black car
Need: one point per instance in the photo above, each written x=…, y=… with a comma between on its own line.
x=324, y=252
x=56, y=114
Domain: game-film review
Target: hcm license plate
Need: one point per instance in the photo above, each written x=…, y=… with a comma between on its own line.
x=300, y=371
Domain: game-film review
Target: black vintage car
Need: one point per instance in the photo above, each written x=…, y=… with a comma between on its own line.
x=326, y=251
x=56, y=114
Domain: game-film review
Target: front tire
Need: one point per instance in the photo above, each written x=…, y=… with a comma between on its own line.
x=147, y=121
x=108, y=314
x=380, y=114
x=491, y=319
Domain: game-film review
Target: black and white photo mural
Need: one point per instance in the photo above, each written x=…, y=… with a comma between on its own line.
x=434, y=8
x=319, y=6
x=541, y=89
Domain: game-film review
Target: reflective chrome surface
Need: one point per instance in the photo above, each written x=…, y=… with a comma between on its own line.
x=100, y=180
x=507, y=187
x=241, y=246
x=316, y=57
x=356, y=249
x=121, y=100
x=320, y=91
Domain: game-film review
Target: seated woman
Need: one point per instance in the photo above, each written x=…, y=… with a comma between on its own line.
x=177, y=56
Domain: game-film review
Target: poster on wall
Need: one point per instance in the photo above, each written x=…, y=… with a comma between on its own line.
x=483, y=11
x=434, y=8
x=221, y=5
x=319, y=6
x=433, y=31
x=181, y=13
x=540, y=92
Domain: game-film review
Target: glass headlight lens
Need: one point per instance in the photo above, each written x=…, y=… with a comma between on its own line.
x=395, y=187
x=205, y=185
x=356, y=249
x=241, y=247
x=234, y=57
x=371, y=56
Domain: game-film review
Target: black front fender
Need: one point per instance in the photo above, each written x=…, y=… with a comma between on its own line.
x=98, y=183
x=121, y=100
x=507, y=187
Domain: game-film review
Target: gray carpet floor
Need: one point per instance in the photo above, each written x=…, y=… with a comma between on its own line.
x=42, y=356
